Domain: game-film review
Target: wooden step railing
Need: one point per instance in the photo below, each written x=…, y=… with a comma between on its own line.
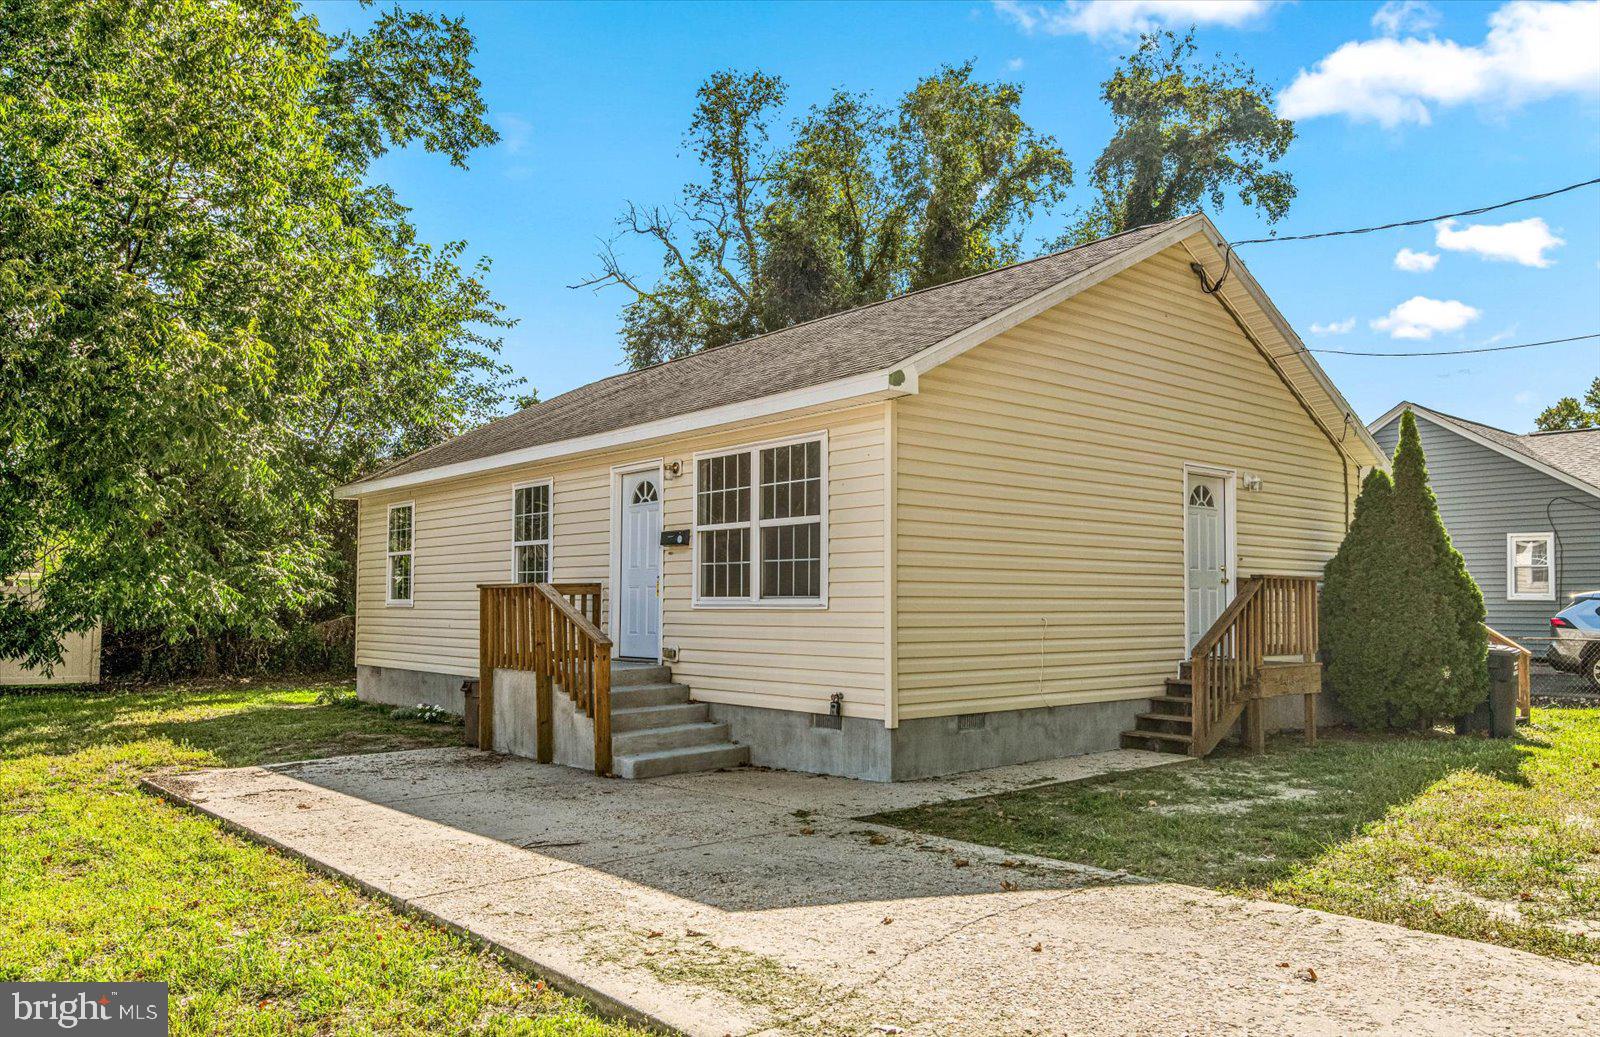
x=1269, y=617
x=552, y=630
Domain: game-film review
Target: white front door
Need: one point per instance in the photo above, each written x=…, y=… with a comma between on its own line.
x=1207, y=581
x=638, y=603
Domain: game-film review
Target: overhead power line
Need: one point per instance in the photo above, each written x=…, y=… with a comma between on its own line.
x=1446, y=352
x=1418, y=222
x=1211, y=287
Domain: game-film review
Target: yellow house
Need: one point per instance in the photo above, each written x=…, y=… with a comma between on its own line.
x=983, y=523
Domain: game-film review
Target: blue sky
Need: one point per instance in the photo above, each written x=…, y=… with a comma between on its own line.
x=1402, y=109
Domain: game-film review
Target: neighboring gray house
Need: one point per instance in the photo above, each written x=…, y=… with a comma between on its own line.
x=1524, y=510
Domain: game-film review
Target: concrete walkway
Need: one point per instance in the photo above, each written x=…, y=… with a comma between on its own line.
x=749, y=903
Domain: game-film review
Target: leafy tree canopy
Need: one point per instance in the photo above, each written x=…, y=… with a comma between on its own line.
x=1570, y=412
x=863, y=202
x=210, y=315
x=1186, y=134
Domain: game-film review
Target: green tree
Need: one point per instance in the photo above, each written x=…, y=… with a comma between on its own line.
x=1436, y=606
x=1570, y=412
x=1402, y=619
x=1186, y=133
x=864, y=203
x=1356, y=628
x=210, y=315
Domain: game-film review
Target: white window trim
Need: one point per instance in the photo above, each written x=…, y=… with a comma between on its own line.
x=755, y=525
x=1511, y=566
x=549, y=527
x=389, y=557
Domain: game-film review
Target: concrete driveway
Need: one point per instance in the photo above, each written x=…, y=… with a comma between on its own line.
x=749, y=902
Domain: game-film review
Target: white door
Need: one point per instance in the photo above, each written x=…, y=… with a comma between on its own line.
x=638, y=604
x=1206, y=576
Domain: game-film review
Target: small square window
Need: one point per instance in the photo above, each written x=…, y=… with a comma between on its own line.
x=1530, y=567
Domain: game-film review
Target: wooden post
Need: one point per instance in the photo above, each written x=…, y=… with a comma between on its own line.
x=543, y=700
x=1311, y=718
x=602, y=708
x=486, y=649
x=1255, y=728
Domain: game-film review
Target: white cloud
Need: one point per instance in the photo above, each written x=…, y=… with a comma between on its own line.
x=1524, y=241
x=1420, y=318
x=1415, y=262
x=1121, y=18
x=1402, y=16
x=1337, y=327
x=1524, y=397
x=1015, y=65
x=1534, y=49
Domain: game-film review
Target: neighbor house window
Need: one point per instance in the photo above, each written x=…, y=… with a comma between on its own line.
x=1530, y=567
x=400, y=554
x=759, y=525
x=530, y=533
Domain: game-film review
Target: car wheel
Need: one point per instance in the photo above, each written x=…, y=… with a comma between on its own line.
x=1591, y=669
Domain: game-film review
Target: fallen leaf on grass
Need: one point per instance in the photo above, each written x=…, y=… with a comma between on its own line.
x=960, y=862
x=1308, y=974
x=877, y=839
x=1009, y=887
x=887, y=920
x=1038, y=947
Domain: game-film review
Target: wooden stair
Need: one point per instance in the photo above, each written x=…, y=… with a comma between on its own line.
x=1263, y=645
x=1169, y=726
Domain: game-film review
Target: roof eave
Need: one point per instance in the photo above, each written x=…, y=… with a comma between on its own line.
x=1468, y=434
x=900, y=380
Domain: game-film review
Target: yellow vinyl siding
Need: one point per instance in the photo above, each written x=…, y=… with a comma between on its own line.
x=1039, y=495
x=791, y=658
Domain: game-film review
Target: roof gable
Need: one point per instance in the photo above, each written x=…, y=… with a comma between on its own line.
x=1572, y=457
x=857, y=352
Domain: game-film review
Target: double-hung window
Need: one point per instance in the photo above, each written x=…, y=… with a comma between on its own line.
x=1530, y=567
x=759, y=525
x=400, y=554
x=530, y=533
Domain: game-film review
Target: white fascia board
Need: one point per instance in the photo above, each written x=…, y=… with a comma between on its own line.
x=899, y=381
x=1445, y=421
x=1238, y=270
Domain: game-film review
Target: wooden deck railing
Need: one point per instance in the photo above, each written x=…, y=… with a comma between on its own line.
x=552, y=630
x=1270, y=616
x=1524, y=670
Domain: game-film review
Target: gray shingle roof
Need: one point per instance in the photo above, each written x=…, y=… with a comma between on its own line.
x=1577, y=453
x=860, y=341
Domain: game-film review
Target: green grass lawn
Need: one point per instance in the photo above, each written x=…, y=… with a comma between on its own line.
x=1490, y=840
x=100, y=881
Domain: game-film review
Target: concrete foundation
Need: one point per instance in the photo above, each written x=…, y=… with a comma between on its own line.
x=794, y=741
x=926, y=747
x=853, y=747
x=391, y=686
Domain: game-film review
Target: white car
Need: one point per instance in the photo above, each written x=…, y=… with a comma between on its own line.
x=1575, y=638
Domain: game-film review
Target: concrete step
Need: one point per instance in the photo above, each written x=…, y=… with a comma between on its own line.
x=678, y=736
x=681, y=761
x=628, y=675
x=633, y=696
x=671, y=715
